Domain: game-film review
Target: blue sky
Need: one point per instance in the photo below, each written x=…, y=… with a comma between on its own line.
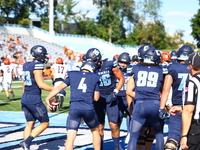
x=176, y=14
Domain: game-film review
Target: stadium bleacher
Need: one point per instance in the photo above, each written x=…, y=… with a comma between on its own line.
x=55, y=43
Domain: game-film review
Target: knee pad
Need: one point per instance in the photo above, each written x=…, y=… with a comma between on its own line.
x=149, y=138
x=171, y=144
x=141, y=140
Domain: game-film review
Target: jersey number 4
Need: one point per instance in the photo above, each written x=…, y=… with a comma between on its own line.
x=82, y=86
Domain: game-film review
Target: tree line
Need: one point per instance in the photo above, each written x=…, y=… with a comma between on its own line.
x=124, y=22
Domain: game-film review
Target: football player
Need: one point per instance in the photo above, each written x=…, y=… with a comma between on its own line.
x=165, y=61
x=84, y=89
x=176, y=78
x=31, y=101
x=8, y=75
x=147, y=133
x=146, y=82
x=58, y=74
x=173, y=54
x=107, y=104
x=124, y=61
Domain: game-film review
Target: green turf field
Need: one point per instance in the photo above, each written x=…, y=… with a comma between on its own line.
x=15, y=105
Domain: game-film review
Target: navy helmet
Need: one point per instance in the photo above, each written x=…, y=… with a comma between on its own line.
x=142, y=50
x=39, y=53
x=173, y=54
x=89, y=65
x=152, y=56
x=184, y=52
x=95, y=55
x=124, y=57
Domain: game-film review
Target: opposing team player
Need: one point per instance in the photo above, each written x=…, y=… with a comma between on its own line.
x=84, y=87
x=8, y=75
x=176, y=78
x=109, y=71
x=146, y=82
x=58, y=74
x=165, y=61
x=31, y=101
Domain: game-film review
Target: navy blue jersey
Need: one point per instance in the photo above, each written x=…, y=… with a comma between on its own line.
x=31, y=86
x=126, y=73
x=108, y=79
x=165, y=66
x=82, y=87
x=180, y=74
x=148, y=82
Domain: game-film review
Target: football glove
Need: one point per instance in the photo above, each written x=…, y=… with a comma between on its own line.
x=162, y=113
x=112, y=97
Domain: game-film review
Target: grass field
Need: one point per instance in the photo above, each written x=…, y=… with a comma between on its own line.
x=15, y=105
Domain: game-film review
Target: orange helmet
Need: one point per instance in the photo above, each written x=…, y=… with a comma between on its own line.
x=115, y=57
x=6, y=61
x=59, y=60
x=165, y=56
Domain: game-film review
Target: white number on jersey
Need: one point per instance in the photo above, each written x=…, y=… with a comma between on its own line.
x=82, y=86
x=27, y=78
x=147, y=79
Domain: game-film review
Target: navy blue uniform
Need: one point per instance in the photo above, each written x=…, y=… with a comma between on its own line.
x=107, y=85
x=148, y=82
x=121, y=96
x=180, y=74
x=31, y=99
x=82, y=87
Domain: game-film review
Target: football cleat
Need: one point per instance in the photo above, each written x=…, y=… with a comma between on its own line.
x=24, y=145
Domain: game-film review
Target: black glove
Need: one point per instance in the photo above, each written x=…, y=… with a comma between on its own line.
x=112, y=97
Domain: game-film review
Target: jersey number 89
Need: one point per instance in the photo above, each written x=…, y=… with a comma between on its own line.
x=148, y=79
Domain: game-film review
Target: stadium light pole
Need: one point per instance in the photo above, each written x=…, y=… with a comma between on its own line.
x=51, y=20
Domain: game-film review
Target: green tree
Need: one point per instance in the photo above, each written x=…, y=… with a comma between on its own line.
x=151, y=33
x=109, y=17
x=150, y=9
x=62, y=14
x=195, y=24
x=8, y=7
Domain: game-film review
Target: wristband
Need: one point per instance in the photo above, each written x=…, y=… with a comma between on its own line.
x=183, y=136
x=116, y=91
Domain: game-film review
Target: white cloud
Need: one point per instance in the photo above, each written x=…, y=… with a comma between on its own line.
x=170, y=27
x=179, y=14
x=85, y=5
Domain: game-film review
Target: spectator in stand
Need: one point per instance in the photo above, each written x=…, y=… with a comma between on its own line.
x=17, y=41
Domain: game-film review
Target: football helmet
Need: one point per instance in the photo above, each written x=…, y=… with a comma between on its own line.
x=142, y=50
x=124, y=57
x=84, y=58
x=39, y=53
x=95, y=55
x=88, y=65
x=165, y=57
x=152, y=56
x=173, y=54
x=184, y=52
x=115, y=57
x=6, y=61
x=59, y=60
